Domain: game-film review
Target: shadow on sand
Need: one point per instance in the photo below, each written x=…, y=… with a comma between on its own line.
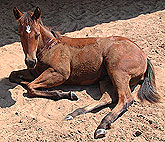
x=6, y=99
x=73, y=15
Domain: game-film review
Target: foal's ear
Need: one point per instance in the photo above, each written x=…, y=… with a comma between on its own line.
x=17, y=13
x=37, y=13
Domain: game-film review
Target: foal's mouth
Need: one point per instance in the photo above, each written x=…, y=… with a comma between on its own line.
x=31, y=64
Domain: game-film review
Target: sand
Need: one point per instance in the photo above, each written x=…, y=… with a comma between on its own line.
x=36, y=119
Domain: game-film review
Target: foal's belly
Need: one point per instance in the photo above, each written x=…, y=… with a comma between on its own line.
x=84, y=76
x=86, y=72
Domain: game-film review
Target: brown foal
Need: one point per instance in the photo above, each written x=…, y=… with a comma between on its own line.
x=53, y=60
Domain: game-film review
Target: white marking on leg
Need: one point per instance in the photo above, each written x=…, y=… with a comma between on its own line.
x=69, y=117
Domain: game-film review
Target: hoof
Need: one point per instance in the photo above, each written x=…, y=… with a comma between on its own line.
x=73, y=96
x=99, y=133
x=69, y=117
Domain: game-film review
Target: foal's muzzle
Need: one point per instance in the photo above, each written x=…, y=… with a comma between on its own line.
x=30, y=63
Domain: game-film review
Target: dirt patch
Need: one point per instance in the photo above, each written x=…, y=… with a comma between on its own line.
x=36, y=119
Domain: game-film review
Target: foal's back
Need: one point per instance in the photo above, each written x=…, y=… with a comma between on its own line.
x=89, y=57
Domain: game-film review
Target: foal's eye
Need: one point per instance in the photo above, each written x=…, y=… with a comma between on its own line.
x=37, y=35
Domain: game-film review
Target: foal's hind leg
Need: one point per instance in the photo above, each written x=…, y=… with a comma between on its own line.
x=105, y=100
x=49, y=78
x=121, y=83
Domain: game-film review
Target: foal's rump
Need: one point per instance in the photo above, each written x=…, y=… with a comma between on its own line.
x=124, y=55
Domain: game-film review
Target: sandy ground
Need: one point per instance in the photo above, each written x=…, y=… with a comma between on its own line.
x=36, y=119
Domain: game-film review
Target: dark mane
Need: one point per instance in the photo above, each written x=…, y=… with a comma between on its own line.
x=56, y=34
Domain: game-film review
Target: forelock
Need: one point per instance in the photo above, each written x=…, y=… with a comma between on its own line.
x=27, y=18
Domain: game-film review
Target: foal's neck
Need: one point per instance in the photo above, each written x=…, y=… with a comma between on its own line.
x=46, y=41
x=46, y=36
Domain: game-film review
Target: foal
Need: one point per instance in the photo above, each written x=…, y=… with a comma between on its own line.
x=53, y=60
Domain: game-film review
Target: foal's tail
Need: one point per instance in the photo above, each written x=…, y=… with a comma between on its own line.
x=147, y=90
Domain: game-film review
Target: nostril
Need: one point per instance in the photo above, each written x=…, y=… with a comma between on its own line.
x=30, y=63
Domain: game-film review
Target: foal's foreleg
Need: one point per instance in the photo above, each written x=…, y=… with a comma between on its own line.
x=105, y=100
x=49, y=78
x=22, y=77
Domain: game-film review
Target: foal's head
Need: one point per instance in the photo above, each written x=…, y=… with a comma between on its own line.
x=29, y=29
